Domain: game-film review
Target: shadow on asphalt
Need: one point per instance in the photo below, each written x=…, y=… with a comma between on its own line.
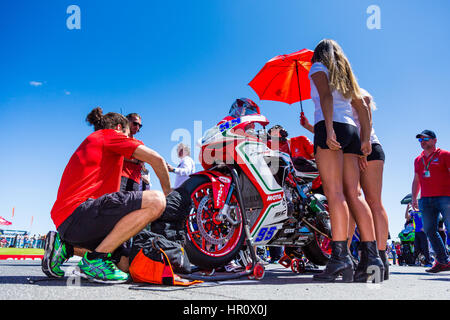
x=438, y=279
x=415, y=273
x=428, y=275
x=272, y=277
x=45, y=281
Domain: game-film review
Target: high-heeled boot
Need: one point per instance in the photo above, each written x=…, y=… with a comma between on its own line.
x=370, y=263
x=340, y=263
x=385, y=260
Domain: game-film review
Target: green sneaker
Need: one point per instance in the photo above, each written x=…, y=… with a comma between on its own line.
x=101, y=269
x=55, y=254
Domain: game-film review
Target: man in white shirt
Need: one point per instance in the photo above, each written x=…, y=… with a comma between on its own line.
x=186, y=166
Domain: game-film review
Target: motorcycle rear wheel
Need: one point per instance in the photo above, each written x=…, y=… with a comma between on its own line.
x=210, y=243
x=318, y=251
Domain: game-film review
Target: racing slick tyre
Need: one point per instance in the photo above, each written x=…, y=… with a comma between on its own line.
x=318, y=251
x=211, y=241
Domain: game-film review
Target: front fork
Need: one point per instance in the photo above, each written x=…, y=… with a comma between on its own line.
x=224, y=213
x=249, y=238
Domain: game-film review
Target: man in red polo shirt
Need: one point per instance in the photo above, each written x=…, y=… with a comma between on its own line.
x=92, y=216
x=131, y=172
x=432, y=179
x=302, y=147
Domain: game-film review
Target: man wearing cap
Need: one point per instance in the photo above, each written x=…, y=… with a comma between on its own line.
x=432, y=179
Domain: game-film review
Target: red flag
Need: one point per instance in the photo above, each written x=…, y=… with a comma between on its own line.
x=4, y=222
x=12, y=213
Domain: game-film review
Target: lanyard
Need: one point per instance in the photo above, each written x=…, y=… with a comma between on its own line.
x=428, y=165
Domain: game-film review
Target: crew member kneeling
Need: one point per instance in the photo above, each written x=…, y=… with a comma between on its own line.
x=92, y=216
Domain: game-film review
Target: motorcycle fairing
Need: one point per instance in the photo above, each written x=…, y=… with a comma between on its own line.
x=274, y=212
x=221, y=184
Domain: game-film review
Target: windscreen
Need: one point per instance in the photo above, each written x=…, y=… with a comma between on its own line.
x=239, y=110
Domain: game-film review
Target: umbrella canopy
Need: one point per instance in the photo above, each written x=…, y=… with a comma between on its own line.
x=284, y=78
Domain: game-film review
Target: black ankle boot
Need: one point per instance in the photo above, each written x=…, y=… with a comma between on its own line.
x=370, y=263
x=340, y=263
x=385, y=260
x=354, y=261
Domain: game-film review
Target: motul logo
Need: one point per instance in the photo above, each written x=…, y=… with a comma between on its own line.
x=275, y=197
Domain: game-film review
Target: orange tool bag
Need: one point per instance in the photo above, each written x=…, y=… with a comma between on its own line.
x=152, y=262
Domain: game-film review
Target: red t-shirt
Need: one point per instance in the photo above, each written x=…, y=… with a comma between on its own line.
x=132, y=170
x=301, y=146
x=438, y=182
x=93, y=170
x=282, y=146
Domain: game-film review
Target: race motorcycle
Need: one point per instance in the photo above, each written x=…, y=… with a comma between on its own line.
x=249, y=195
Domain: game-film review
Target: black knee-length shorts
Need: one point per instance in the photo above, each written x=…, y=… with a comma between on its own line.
x=346, y=134
x=94, y=219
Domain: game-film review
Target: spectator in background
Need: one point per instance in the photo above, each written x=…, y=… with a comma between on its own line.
x=39, y=242
x=131, y=171
x=186, y=166
x=3, y=242
x=398, y=251
x=432, y=179
x=393, y=252
x=420, y=238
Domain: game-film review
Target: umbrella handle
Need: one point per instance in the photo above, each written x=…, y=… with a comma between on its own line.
x=298, y=83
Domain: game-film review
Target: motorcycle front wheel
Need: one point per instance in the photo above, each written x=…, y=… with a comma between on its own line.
x=211, y=242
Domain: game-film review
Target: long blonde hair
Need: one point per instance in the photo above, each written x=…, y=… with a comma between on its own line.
x=341, y=77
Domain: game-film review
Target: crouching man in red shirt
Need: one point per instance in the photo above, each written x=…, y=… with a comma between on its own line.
x=92, y=216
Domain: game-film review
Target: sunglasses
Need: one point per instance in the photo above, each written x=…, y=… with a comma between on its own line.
x=424, y=139
x=137, y=124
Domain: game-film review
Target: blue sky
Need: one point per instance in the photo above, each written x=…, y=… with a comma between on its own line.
x=185, y=61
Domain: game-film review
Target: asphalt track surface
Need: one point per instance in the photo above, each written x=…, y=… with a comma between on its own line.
x=279, y=283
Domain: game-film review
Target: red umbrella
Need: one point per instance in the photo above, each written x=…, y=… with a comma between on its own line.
x=284, y=78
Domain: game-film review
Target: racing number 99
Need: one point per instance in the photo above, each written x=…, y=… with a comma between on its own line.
x=265, y=234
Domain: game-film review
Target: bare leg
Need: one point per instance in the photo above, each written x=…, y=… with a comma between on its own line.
x=153, y=205
x=80, y=251
x=330, y=164
x=124, y=264
x=358, y=206
x=371, y=182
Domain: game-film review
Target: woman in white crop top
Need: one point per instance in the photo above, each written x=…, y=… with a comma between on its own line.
x=338, y=146
x=371, y=182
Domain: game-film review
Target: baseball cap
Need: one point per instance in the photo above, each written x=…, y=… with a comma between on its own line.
x=427, y=133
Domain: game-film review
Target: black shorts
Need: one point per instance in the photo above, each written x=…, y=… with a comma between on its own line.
x=94, y=219
x=377, y=153
x=346, y=134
